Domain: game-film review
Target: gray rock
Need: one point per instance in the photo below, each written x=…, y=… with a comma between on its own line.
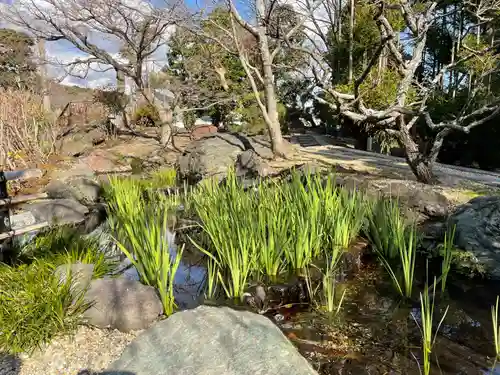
x=77, y=143
x=424, y=199
x=213, y=155
x=212, y=341
x=58, y=211
x=82, y=189
x=478, y=232
x=81, y=275
x=122, y=304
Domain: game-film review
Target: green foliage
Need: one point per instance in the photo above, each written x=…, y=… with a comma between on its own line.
x=379, y=90
x=480, y=63
x=140, y=223
x=147, y=115
x=279, y=226
x=447, y=253
x=35, y=306
x=251, y=115
x=162, y=178
x=427, y=325
x=65, y=245
x=391, y=238
x=496, y=330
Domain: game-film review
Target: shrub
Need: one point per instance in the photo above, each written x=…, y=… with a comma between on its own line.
x=146, y=115
x=35, y=307
x=27, y=132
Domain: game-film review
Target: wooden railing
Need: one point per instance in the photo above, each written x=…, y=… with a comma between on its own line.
x=7, y=203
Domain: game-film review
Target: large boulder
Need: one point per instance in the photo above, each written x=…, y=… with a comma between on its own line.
x=478, y=232
x=212, y=155
x=58, y=211
x=212, y=341
x=82, y=189
x=125, y=305
x=80, y=141
x=425, y=200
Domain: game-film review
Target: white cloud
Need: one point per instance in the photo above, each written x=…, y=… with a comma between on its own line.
x=61, y=52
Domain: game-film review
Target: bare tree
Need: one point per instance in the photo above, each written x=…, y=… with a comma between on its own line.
x=401, y=116
x=257, y=46
x=138, y=29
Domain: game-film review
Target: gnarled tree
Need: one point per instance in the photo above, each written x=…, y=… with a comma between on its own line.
x=117, y=35
x=402, y=31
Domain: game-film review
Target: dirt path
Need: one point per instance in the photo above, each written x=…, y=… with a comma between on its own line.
x=373, y=163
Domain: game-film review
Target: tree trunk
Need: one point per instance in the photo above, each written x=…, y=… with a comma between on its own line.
x=419, y=164
x=273, y=121
x=166, y=118
x=122, y=120
x=351, y=42
x=165, y=114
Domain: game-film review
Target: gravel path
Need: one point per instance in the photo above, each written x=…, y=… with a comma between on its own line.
x=363, y=159
x=88, y=351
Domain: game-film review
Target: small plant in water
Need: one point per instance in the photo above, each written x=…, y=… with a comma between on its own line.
x=224, y=211
x=141, y=230
x=447, y=249
x=327, y=291
x=427, y=314
x=391, y=239
x=496, y=331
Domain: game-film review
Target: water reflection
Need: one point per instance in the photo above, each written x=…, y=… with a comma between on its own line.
x=189, y=278
x=493, y=371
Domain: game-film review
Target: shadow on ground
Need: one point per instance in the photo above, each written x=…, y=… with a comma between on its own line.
x=10, y=364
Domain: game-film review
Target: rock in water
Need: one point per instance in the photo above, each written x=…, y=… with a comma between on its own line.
x=478, y=232
x=212, y=341
x=125, y=305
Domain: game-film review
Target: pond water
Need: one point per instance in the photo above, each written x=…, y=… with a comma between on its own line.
x=375, y=332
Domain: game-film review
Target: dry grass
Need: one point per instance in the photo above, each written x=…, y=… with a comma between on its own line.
x=27, y=132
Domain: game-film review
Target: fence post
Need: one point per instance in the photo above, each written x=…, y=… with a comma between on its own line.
x=4, y=210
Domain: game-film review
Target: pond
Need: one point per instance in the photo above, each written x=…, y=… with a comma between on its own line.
x=308, y=224
x=375, y=332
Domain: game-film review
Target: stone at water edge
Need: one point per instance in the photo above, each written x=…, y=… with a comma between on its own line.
x=212, y=341
x=57, y=211
x=80, y=273
x=125, y=305
x=213, y=155
x=82, y=189
x=478, y=232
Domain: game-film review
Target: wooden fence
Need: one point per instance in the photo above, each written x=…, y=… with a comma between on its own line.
x=8, y=203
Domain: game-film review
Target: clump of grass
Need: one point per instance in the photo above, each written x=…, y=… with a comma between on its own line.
x=27, y=132
x=35, y=306
x=141, y=234
x=273, y=227
x=303, y=205
x=496, y=330
x=395, y=243
x=65, y=245
x=162, y=178
x=447, y=249
x=345, y=214
x=278, y=226
x=385, y=221
x=427, y=313
x=222, y=211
